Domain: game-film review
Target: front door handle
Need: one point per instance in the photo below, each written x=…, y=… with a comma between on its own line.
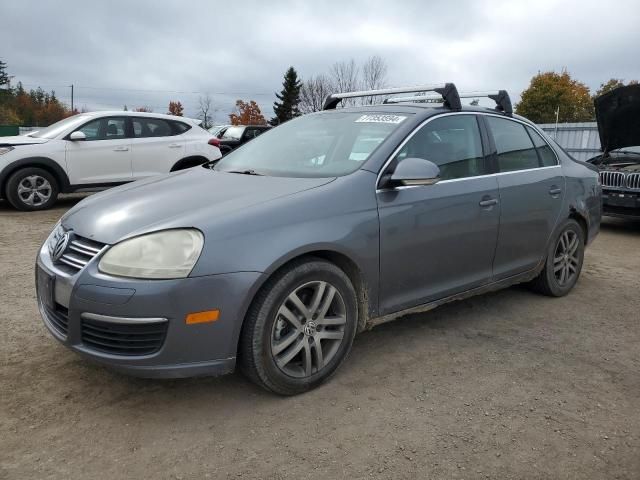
x=555, y=190
x=488, y=202
x=121, y=149
x=175, y=145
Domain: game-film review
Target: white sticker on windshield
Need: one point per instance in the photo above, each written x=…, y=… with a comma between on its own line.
x=380, y=119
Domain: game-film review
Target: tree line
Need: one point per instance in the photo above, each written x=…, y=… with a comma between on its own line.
x=550, y=95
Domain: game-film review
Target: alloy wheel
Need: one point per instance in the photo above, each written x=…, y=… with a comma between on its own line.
x=34, y=190
x=309, y=329
x=565, y=259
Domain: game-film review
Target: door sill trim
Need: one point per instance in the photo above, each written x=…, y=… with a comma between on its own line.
x=489, y=287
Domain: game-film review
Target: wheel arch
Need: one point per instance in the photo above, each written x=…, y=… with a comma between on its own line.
x=39, y=162
x=583, y=221
x=188, y=162
x=343, y=261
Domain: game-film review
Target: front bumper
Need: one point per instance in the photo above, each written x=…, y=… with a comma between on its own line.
x=137, y=326
x=621, y=203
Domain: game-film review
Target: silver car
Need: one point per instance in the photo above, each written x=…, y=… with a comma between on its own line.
x=274, y=257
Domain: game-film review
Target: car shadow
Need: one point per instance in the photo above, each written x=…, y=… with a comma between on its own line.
x=64, y=202
x=620, y=225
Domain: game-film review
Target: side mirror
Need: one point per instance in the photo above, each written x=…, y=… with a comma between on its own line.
x=414, y=171
x=75, y=136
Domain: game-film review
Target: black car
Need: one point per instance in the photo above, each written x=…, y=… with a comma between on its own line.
x=618, y=115
x=237, y=135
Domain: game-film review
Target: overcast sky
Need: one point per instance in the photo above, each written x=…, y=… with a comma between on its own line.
x=149, y=52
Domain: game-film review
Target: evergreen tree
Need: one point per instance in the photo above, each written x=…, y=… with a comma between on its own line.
x=289, y=98
x=4, y=76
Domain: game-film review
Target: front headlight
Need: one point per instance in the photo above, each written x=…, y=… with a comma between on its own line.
x=4, y=150
x=160, y=255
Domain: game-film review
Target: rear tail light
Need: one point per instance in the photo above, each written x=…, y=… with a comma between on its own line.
x=214, y=141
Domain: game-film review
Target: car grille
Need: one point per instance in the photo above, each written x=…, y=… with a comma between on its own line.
x=612, y=179
x=123, y=339
x=58, y=318
x=79, y=252
x=633, y=181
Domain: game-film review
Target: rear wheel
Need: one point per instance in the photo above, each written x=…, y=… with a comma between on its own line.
x=564, y=262
x=300, y=328
x=31, y=189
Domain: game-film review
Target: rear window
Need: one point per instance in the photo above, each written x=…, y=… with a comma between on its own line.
x=233, y=133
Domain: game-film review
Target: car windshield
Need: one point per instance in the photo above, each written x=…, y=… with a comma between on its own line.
x=233, y=133
x=317, y=145
x=52, y=131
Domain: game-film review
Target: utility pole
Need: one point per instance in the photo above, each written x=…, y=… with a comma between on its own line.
x=72, y=109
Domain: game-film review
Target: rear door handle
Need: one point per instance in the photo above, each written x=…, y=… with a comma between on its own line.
x=175, y=145
x=121, y=149
x=489, y=202
x=555, y=190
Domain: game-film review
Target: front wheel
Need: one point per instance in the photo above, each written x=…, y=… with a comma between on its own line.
x=32, y=189
x=564, y=261
x=300, y=328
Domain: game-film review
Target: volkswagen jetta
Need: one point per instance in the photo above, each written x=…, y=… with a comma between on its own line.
x=277, y=255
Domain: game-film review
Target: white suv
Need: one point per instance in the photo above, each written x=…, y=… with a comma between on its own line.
x=97, y=150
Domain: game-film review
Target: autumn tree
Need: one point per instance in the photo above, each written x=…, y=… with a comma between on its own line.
x=612, y=84
x=247, y=113
x=143, y=109
x=550, y=91
x=288, y=106
x=175, y=108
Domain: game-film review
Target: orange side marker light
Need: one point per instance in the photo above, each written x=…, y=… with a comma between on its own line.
x=207, y=316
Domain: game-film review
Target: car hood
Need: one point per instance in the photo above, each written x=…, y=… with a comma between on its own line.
x=21, y=140
x=618, y=116
x=189, y=198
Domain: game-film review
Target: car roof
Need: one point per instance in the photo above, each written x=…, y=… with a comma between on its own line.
x=424, y=110
x=126, y=113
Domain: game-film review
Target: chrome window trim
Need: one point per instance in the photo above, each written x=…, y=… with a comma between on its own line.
x=419, y=127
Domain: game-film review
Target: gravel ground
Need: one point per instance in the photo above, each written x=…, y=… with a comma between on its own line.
x=507, y=385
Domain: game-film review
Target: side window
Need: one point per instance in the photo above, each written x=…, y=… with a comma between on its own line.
x=112, y=128
x=547, y=156
x=452, y=142
x=151, y=127
x=91, y=130
x=179, y=127
x=515, y=150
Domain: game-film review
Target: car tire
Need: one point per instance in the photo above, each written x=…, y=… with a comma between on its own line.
x=290, y=346
x=565, y=256
x=31, y=189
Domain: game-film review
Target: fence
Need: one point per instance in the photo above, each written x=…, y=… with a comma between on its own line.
x=581, y=140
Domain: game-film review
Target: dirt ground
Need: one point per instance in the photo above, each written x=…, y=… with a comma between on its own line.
x=507, y=385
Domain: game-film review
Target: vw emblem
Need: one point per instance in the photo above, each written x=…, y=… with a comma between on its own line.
x=310, y=329
x=60, y=246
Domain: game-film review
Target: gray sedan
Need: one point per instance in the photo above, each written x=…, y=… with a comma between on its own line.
x=274, y=257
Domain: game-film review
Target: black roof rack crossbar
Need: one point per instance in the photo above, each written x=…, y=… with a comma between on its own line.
x=448, y=91
x=501, y=97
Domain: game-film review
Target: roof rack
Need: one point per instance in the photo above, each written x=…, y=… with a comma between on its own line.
x=448, y=91
x=501, y=97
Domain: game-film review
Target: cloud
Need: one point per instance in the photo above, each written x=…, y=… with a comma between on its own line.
x=149, y=52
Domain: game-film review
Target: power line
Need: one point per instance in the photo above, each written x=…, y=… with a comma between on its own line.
x=151, y=91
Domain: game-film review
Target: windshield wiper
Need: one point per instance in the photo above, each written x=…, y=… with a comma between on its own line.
x=245, y=172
